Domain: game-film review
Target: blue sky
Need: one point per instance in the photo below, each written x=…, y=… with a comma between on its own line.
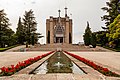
x=81, y=10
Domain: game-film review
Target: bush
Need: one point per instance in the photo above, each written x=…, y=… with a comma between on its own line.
x=93, y=40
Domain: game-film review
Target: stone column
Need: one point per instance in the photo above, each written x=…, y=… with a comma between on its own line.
x=51, y=31
x=71, y=29
x=47, y=29
x=67, y=31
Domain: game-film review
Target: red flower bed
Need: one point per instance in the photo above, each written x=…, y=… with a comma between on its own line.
x=7, y=71
x=102, y=70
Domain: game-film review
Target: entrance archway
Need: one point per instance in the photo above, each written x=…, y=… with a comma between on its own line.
x=59, y=34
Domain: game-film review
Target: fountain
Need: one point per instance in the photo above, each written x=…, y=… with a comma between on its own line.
x=58, y=63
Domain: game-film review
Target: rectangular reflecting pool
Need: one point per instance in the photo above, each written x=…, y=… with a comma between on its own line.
x=58, y=63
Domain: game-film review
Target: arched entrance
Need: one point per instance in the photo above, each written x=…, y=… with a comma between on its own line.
x=59, y=34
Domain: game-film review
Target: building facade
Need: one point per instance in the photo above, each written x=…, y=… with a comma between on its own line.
x=59, y=29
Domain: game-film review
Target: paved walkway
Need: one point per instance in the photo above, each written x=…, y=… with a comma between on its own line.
x=12, y=58
x=50, y=77
x=91, y=73
x=108, y=59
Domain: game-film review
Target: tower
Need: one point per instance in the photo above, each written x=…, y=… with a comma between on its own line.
x=59, y=29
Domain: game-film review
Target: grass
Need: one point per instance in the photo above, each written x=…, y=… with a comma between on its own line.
x=115, y=49
x=4, y=49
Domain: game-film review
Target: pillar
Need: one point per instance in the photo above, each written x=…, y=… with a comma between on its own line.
x=51, y=31
x=67, y=31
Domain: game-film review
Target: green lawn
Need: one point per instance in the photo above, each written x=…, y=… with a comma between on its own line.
x=3, y=49
x=115, y=49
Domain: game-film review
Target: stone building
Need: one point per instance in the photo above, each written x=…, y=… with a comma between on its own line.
x=59, y=29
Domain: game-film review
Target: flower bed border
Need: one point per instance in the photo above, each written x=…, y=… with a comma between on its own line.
x=8, y=71
x=103, y=70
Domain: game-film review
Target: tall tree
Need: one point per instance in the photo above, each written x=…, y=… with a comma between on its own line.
x=112, y=9
x=5, y=31
x=20, y=32
x=87, y=35
x=30, y=24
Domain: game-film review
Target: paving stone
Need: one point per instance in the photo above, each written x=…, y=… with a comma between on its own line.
x=44, y=77
x=106, y=59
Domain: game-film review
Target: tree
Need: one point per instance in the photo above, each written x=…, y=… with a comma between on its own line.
x=113, y=9
x=37, y=36
x=93, y=40
x=101, y=38
x=87, y=35
x=13, y=40
x=30, y=24
x=20, y=32
x=114, y=33
x=9, y=33
x=5, y=31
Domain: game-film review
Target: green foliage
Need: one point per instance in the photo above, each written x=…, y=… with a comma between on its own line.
x=30, y=25
x=4, y=49
x=1, y=49
x=26, y=30
x=20, y=32
x=110, y=37
x=33, y=41
x=93, y=40
x=113, y=9
x=87, y=35
x=5, y=32
x=86, y=39
x=101, y=37
x=114, y=33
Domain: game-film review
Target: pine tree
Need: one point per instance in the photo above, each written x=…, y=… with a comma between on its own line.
x=30, y=25
x=87, y=35
x=113, y=9
x=20, y=32
x=5, y=31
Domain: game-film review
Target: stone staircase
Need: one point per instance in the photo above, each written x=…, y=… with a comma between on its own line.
x=60, y=46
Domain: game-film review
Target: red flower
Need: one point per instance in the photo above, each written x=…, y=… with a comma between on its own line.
x=17, y=66
x=7, y=70
x=20, y=65
x=12, y=66
x=3, y=69
x=105, y=69
x=92, y=64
